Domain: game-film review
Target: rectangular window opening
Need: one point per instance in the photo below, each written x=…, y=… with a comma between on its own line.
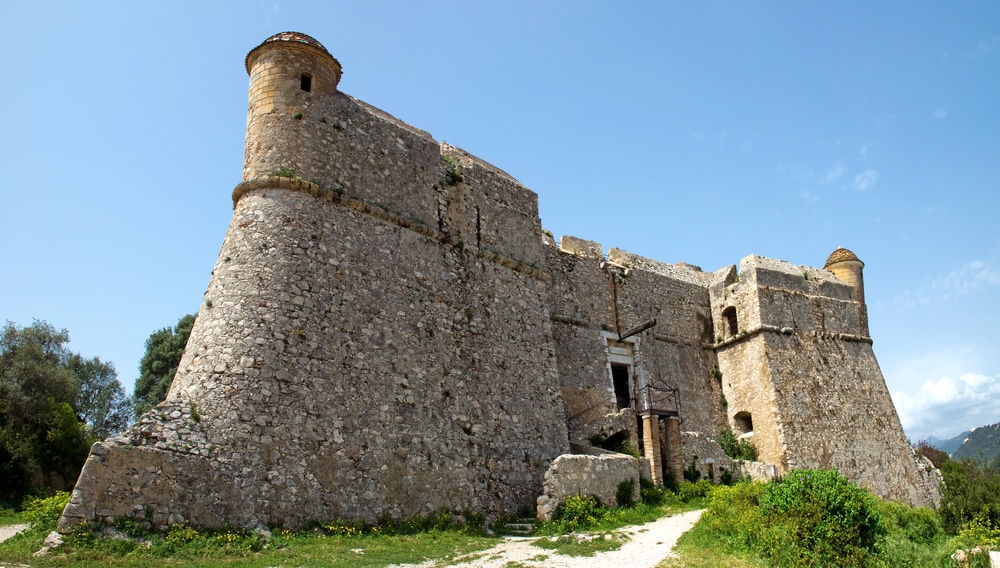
x=619, y=374
x=307, y=82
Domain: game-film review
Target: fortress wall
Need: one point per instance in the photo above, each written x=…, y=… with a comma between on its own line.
x=345, y=145
x=355, y=151
x=348, y=367
x=746, y=383
x=837, y=413
x=737, y=290
x=582, y=299
x=676, y=352
x=805, y=299
x=581, y=307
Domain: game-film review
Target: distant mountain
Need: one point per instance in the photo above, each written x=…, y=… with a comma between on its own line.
x=948, y=446
x=982, y=444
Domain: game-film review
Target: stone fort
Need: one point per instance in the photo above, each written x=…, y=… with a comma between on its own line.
x=389, y=331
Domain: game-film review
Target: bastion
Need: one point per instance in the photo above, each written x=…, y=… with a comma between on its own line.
x=390, y=332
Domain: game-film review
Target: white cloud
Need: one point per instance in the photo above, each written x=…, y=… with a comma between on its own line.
x=973, y=276
x=990, y=47
x=698, y=136
x=834, y=173
x=864, y=149
x=948, y=406
x=808, y=196
x=941, y=113
x=962, y=281
x=865, y=179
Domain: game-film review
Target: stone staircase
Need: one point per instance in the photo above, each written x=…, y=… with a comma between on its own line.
x=519, y=527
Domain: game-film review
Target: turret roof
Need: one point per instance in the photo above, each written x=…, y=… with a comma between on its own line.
x=296, y=37
x=840, y=255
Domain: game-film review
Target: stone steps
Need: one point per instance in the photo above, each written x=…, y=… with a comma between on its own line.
x=521, y=527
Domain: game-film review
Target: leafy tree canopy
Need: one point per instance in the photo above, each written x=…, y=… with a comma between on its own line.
x=101, y=401
x=53, y=405
x=159, y=365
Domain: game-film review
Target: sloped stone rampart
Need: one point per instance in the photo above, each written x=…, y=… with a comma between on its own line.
x=599, y=476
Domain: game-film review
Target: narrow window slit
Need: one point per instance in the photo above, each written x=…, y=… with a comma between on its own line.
x=306, y=82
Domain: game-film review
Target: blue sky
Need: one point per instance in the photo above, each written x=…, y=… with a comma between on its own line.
x=683, y=131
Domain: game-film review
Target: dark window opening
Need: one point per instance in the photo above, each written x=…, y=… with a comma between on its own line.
x=743, y=422
x=619, y=374
x=615, y=442
x=730, y=315
x=307, y=82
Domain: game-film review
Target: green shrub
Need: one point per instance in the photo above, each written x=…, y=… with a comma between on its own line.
x=968, y=490
x=691, y=472
x=822, y=519
x=578, y=512
x=982, y=531
x=652, y=495
x=736, y=448
x=921, y=525
x=44, y=513
x=623, y=495
x=689, y=491
x=733, y=514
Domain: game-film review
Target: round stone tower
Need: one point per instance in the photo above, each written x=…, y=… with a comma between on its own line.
x=846, y=265
x=288, y=72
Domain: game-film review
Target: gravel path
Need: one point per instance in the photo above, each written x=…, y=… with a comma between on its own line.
x=7, y=531
x=648, y=545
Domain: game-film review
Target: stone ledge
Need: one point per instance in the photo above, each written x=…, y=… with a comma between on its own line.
x=383, y=213
x=788, y=331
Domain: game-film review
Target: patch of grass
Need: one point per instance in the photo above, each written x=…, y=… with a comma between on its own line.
x=41, y=515
x=11, y=517
x=336, y=543
x=582, y=545
x=295, y=549
x=583, y=513
x=700, y=548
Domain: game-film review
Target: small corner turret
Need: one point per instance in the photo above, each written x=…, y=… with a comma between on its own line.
x=846, y=265
x=288, y=71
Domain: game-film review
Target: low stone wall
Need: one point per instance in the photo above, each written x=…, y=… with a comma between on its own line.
x=756, y=471
x=586, y=475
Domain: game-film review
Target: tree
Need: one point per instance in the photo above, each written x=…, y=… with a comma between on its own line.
x=101, y=401
x=159, y=365
x=42, y=442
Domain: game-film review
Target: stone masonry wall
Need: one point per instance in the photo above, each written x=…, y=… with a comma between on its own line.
x=388, y=332
x=812, y=385
x=599, y=476
x=352, y=361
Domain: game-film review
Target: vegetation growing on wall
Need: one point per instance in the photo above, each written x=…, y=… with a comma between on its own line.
x=736, y=448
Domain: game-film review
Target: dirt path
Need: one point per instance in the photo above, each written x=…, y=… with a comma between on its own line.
x=647, y=546
x=7, y=531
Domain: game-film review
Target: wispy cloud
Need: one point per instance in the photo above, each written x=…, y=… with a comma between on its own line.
x=940, y=113
x=800, y=173
x=834, y=173
x=947, y=406
x=865, y=179
x=808, y=195
x=969, y=278
x=864, y=149
x=973, y=276
x=988, y=48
